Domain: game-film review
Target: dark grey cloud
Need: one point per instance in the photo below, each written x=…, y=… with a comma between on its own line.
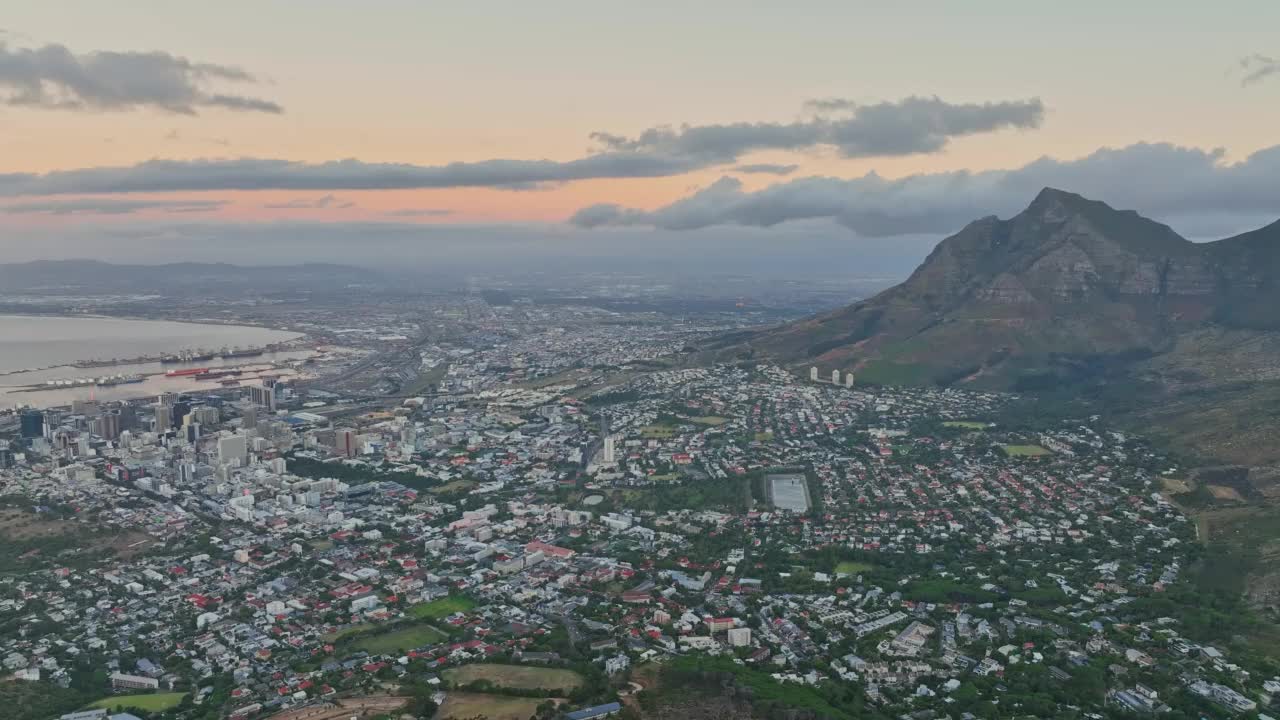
x=911, y=126
x=320, y=203
x=766, y=169
x=1160, y=180
x=54, y=77
x=271, y=174
x=110, y=206
x=907, y=127
x=1258, y=68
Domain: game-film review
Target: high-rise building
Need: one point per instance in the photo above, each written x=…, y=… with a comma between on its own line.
x=347, y=442
x=848, y=380
x=32, y=424
x=610, y=454
x=163, y=417
x=264, y=395
x=180, y=411
x=232, y=448
x=835, y=377
x=249, y=416
x=107, y=425
x=52, y=421
x=128, y=417
x=813, y=373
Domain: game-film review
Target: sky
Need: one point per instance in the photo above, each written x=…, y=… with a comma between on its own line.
x=171, y=123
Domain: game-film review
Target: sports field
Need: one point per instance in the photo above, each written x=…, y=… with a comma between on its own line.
x=518, y=677
x=151, y=702
x=466, y=706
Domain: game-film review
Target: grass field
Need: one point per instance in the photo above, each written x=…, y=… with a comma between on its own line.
x=390, y=643
x=465, y=706
x=452, y=487
x=442, y=608
x=657, y=432
x=1024, y=450
x=851, y=568
x=520, y=677
x=344, y=632
x=712, y=420
x=156, y=702
x=965, y=424
x=764, y=437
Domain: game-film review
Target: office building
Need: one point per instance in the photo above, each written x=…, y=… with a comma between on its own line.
x=233, y=449
x=347, y=442
x=163, y=417
x=32, y=424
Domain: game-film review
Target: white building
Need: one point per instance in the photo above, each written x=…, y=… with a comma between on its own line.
x=232, y=449
x=739, y=637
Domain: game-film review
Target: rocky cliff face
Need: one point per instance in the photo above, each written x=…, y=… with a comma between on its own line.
x=1066, y=277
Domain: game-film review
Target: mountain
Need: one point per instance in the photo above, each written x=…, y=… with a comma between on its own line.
x=96, y=276
x=1068, y=294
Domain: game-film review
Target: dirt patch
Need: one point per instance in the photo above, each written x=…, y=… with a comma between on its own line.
x=130, y=544
x=18, y=524
x=1222, y=492
x=344, y=709
x=465, y=706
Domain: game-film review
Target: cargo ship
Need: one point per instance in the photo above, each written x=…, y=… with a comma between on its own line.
x=185, y=372
x=214, y=374
x=207, y=355
x=113, y=380
x=188, y=356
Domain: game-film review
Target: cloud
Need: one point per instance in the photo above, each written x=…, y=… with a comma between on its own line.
x=766, y=169
x=1160, y=180
x=55, y=78
x=108, y=206
x=911, y=126
x=419, y=212
x=827, y=105
x=1258, y=68
x=320, y=203
x=271, y=174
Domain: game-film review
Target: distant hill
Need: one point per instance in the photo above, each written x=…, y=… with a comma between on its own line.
x=97, y=276
x=1071, y=295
